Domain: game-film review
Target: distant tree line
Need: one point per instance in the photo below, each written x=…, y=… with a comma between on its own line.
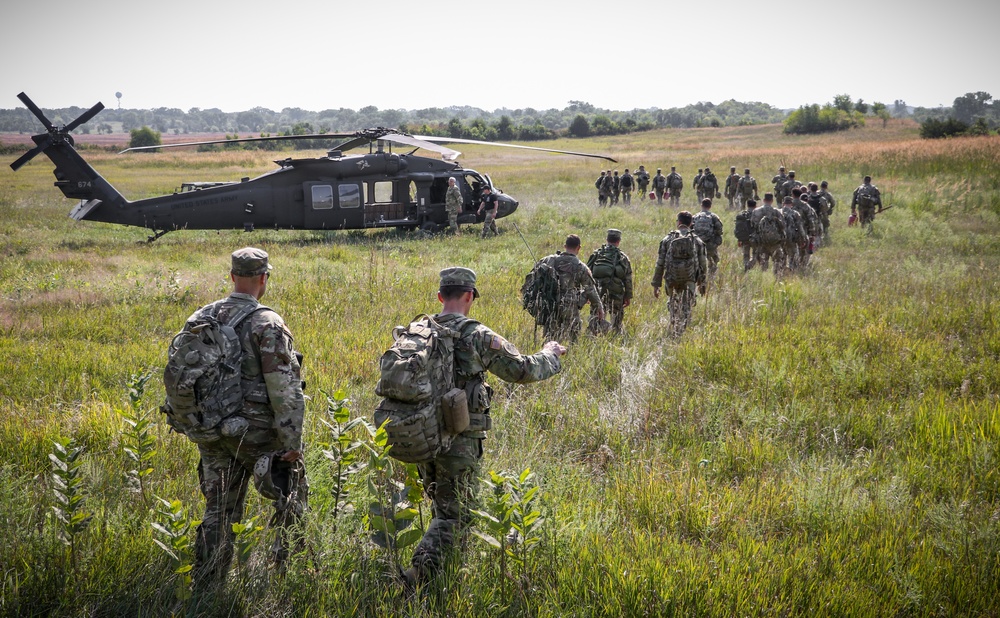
x=841, y=114
x=577, y=119
x=973, y=113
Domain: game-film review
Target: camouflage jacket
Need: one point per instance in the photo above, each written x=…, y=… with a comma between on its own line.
x=642, y=178
x=829, y=199
x=795, y=226
x=576, y=284
x=747, y=185
x=674, y=181
x=663, y=256
x=659, y=182
x=697, y=181
x=786, y=188
x=478, y=350
x=813, y=224
x=453, y=199
x=770, y=212
x=777, y=181
x=627, y=182
x=872, y=190
x=732, y=183
x=271, y=372
x=619, y=285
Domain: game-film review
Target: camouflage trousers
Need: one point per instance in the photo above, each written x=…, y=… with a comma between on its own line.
x=790, y=257
x=866, y=216
x=680, y=305
x=451, y=481
x=224, y=472
x=489, y=225
x=747, y=255
x=643, y=190
x=626, y=196
x=564, y=326
x=614, y=312
x=453, y=221
x=675, y=197
x=763, y=253
x=614, y=196
x=659, y=195
x=712, y=253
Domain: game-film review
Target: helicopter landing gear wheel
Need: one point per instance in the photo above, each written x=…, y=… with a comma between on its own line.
x=429, y=227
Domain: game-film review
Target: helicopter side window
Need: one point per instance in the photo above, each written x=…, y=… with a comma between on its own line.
x=383, y=191
x=322, y=197
x=350, y=196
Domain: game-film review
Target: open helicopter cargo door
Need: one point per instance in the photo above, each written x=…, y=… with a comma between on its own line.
x=334, y=205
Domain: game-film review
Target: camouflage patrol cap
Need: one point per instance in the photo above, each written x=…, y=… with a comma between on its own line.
x=732, y=167
x=746, y=170
x=460, y=278
x=781, y=169
x=249, y=262
x=614, y=235
x=787, y=200
x=791, y=174
x=824, y=184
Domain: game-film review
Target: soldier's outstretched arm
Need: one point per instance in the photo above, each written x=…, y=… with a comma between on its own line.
x=283, y=378
x=502, y=358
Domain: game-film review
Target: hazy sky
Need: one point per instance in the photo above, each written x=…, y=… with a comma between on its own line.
x=491, y=54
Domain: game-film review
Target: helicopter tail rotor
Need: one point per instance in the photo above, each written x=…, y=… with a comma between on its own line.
x=54, y=135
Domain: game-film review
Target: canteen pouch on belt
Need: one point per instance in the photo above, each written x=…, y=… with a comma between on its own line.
x=455, y=409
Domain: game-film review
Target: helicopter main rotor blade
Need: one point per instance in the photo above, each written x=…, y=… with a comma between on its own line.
x=35, y=110
x=84, y=117
x=413, y=140
x=242, y=140
x=455, y=140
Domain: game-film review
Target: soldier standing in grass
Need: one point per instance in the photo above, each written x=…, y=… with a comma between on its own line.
x=796, y=242
x=768, y=237
x=680, y=266
x=453, y=204
x=788, y=186
x=451, y=479
x=576, y=289
x=747, y=187
x=743, y=229
x=866, y=199
x=708, y=226
x=642, y=182
x=675, y=183
x=263, y=441
x=602, y=197
x=830, y=203
x=616, y=188
x=612, y=271
x=814, y=228
x=778, y=180
x=627, y=182
x=489, y=203
x=697, y=185
x=822, y=208
x=659, y=185
x=732, y=184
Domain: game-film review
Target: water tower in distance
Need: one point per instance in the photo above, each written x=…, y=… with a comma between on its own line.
x=119, y=96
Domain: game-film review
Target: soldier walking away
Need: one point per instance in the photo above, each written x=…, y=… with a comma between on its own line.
x=681, y=268
x=768, y=235
x=819, y=204
x=612, y=272
x=732, y=185
x=451, y=478
x=864, y=202
x=642, y=182
x=796, y=245
x=675, y=184
x=453, y=204
x=602, y=197
x=627, y=183
x=489, y=203
x=830, y=204
x=254, y=430
x=576, y=287
x=659, y=185
x=779, y=179
x=616, y=188
x=814, y=228
x=746, y=188
x=697, y=185
x=707, y=225
x=788, y=186
x=709, y=185
x=744, y=232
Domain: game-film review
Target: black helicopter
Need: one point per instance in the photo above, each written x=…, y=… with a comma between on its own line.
x=335, y=192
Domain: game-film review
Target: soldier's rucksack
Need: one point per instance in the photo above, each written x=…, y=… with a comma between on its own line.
x=605, y=263
x=709, y=182
x=793, y=228
x=682, y=260
x=703, y=226
x=746, y=186
x=676, y=182
x=768, y=230
x=421, y=409
x=866, y=196
x=743, y=228
x=816, y=202
x=599, y=182
x=540, y=293
x=659, y=181
x=202, y=376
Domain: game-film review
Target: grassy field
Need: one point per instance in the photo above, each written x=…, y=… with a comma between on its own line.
x=826, y=444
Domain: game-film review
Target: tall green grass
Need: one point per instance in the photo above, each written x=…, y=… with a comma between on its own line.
x=823, y=444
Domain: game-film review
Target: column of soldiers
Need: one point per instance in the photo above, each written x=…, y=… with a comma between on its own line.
x=670, y=186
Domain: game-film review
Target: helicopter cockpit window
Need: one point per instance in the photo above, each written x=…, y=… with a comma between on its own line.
x=322, y=197
x=350, y=196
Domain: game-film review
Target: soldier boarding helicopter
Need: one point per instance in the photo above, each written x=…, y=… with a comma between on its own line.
x=336, y=192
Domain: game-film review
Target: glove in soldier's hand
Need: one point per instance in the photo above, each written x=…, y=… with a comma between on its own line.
x=702, y=289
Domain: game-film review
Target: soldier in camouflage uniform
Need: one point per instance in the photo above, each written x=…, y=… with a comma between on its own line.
x=779, y=179
x=786, y=187
x=746, y=188
x=822, y=207
x=453, y=204
x=451, y=479
x=616, y=188
x=627, y=183
x=764, y=250
x=602, y=197
x=866, y=199
x=682, y=295
x=266, y=434
x=796, y=242
x=830, y=204
x=675, y=184
x=814, y=228
x=659, y=185
x=576, y=288
x=708, y=226
x=642, y=182
x=613, y=276
x=732, y=186
x=697, y=185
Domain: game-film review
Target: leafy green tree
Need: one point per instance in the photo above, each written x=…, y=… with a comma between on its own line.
x=143, y=137
x=971, y=105
x=843, y=103
x=934, y=128
x=861, y=106
x=580, y=127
